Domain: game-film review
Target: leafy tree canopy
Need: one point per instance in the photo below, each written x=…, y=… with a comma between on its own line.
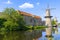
x=14, y=21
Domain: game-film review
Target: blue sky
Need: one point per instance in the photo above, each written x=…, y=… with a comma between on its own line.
x=35, y=7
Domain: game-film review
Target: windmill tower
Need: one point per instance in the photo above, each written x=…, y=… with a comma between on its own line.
x=48, y=17
x=48, y=22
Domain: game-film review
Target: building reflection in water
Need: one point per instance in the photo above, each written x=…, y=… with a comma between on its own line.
x=26, y=35
x=37, y=34
x=50, y=38
x=21, y=35
x=56, y=31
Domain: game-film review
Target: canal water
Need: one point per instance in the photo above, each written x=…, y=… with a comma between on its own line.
x=29, y=35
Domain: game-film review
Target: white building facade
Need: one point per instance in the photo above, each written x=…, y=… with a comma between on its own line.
x=31, y=20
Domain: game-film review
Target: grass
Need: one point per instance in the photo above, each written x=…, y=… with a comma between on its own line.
x=36, y=27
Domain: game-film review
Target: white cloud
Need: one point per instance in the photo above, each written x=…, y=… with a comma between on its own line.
x=8, y=2
x=26, y=5
x=38, y=3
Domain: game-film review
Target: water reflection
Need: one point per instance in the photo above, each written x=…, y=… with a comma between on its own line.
x=21, y=35
x=56, y=30
x=55, y=35
x=29, y=35
x=50, y=38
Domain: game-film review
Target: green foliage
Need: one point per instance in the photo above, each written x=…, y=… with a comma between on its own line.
x=12, y=20
x=29, y=27
x=41, y=27
x=36, y=27
x=53, y=22
x=58, y=23
x=1, y=22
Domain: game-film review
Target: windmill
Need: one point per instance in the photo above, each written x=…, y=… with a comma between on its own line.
x=48, y=21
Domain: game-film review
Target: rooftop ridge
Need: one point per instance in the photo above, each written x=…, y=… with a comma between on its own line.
x=28, y=14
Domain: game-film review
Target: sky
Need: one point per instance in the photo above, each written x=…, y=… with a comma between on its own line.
x=35, y=7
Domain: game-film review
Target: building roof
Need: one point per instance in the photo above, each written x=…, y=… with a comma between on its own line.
x=37, y=17
x=28, y=14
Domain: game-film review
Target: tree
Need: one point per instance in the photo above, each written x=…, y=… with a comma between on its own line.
x=14, y=21
x=1, y=22
x=58, y=24
x=53, y=22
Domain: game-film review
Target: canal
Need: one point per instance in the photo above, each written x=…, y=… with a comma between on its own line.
x=29, y=35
